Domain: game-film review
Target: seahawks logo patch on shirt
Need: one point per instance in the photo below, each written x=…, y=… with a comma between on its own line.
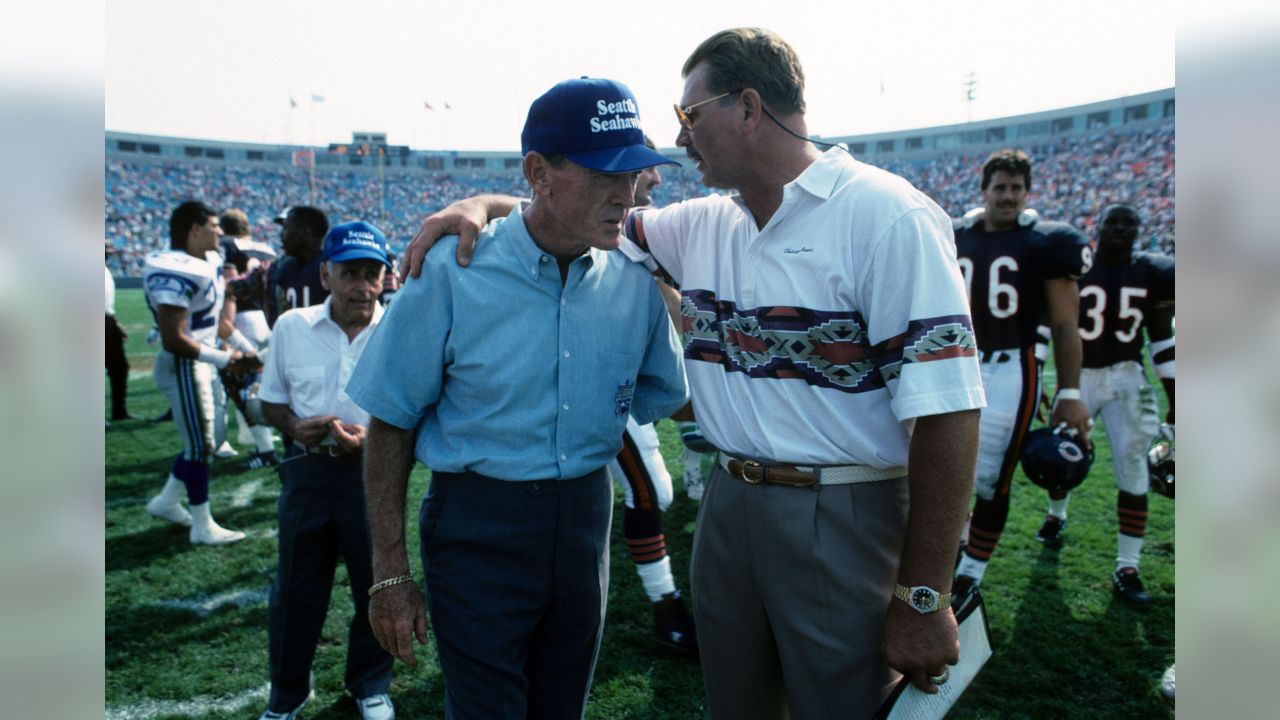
x=622, y=399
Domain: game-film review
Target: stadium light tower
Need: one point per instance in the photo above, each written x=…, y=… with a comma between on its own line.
x=970, y=93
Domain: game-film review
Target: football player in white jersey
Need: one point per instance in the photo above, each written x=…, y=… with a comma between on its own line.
x=185, y=292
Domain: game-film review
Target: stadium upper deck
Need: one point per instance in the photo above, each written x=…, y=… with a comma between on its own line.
x=1086, y=156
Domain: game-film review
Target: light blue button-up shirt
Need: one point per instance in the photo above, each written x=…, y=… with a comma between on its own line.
x=507, y=373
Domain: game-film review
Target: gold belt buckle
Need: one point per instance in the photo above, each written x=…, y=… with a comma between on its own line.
x=747, y=467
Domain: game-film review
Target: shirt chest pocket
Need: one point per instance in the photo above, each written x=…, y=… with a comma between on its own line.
x=616, y=378
x=307, y=387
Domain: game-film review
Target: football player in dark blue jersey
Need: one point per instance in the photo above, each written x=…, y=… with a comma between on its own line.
x=1017, y=269
x=242, y=257
x=1125, y=293
x=294, y=280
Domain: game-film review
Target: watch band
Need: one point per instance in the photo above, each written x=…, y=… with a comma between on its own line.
x=942, y=601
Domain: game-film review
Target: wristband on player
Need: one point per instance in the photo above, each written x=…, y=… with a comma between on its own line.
x=1066, y=394
x=217, y=358
x=1161, y=352
x=240, y=342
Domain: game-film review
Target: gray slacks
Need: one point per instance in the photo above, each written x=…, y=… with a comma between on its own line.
x=790, y=589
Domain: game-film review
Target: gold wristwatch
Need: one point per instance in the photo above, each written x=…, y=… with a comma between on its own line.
x=922, y=598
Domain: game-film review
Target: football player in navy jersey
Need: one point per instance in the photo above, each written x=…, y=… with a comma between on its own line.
x=1017, y=269
x=294, y=281
x=242, y=260
x=1125, y=293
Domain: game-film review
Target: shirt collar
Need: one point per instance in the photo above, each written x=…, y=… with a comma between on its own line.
x=533, y=258
x=822, y=176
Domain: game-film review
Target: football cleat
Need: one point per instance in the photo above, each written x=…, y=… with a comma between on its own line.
x=1129, y=586
x=171, y=511
x=213, y=534
x=1050, y=532
x=225, y=451
x=1054, y=460
x=1167, y=684
x=260, y=460
x=672, y=624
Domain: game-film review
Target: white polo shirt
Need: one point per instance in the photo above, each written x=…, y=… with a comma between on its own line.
x=819, y=338
x=311, y=360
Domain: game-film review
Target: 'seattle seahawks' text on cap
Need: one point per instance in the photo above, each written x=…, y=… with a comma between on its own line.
x=593, y=122
x=355, y=241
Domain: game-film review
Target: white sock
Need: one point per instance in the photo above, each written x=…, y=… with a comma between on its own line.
x=207, y=532
x=243, y=430
x=174, y=490
x=1130, y=549
x=262, y=439
x=973, y=568
x=200, y=516
x=656, y=578
x=1058, y=508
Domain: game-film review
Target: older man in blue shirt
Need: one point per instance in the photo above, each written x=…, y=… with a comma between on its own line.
x=512, y=381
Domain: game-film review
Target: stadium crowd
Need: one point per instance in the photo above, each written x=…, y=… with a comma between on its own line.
x=1076, y=177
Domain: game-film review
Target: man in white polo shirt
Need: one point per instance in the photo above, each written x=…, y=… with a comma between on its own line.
x=828, y=346
x=322, y=506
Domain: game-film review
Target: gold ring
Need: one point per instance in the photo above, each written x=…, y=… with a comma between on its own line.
x=941, y=679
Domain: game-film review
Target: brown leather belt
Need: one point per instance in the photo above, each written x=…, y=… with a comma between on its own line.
x=754, y=473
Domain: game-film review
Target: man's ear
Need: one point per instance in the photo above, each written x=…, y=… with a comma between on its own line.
x=538, y=172
x=324, y=276
x=752, y=107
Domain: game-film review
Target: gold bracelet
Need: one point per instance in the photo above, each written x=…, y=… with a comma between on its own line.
x=378, y=587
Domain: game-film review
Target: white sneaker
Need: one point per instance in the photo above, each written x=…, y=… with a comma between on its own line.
x=173, y=512
x=376, y=707
x=1167, y=685
x=225, y=451
x=214, y=534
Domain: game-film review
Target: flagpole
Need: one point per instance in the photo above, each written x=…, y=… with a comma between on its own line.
x=382, y=190
x=314, y=146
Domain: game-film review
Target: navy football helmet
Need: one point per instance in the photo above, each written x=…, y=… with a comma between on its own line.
x=1055, y=461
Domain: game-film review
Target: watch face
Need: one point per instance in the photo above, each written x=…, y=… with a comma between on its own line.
x=923, y=599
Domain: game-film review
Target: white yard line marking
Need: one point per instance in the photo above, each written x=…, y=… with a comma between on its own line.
x=243, y=496
x=197, y=706
x=204, y=605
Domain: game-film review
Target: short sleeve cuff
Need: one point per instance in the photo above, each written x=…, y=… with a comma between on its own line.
x=939, y=403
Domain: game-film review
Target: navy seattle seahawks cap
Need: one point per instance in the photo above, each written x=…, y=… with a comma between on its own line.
x=593, y=122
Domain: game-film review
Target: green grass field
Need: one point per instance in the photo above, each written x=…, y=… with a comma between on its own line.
x=186, y=626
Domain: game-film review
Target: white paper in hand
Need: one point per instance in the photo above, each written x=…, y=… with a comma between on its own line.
x=908, y=703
